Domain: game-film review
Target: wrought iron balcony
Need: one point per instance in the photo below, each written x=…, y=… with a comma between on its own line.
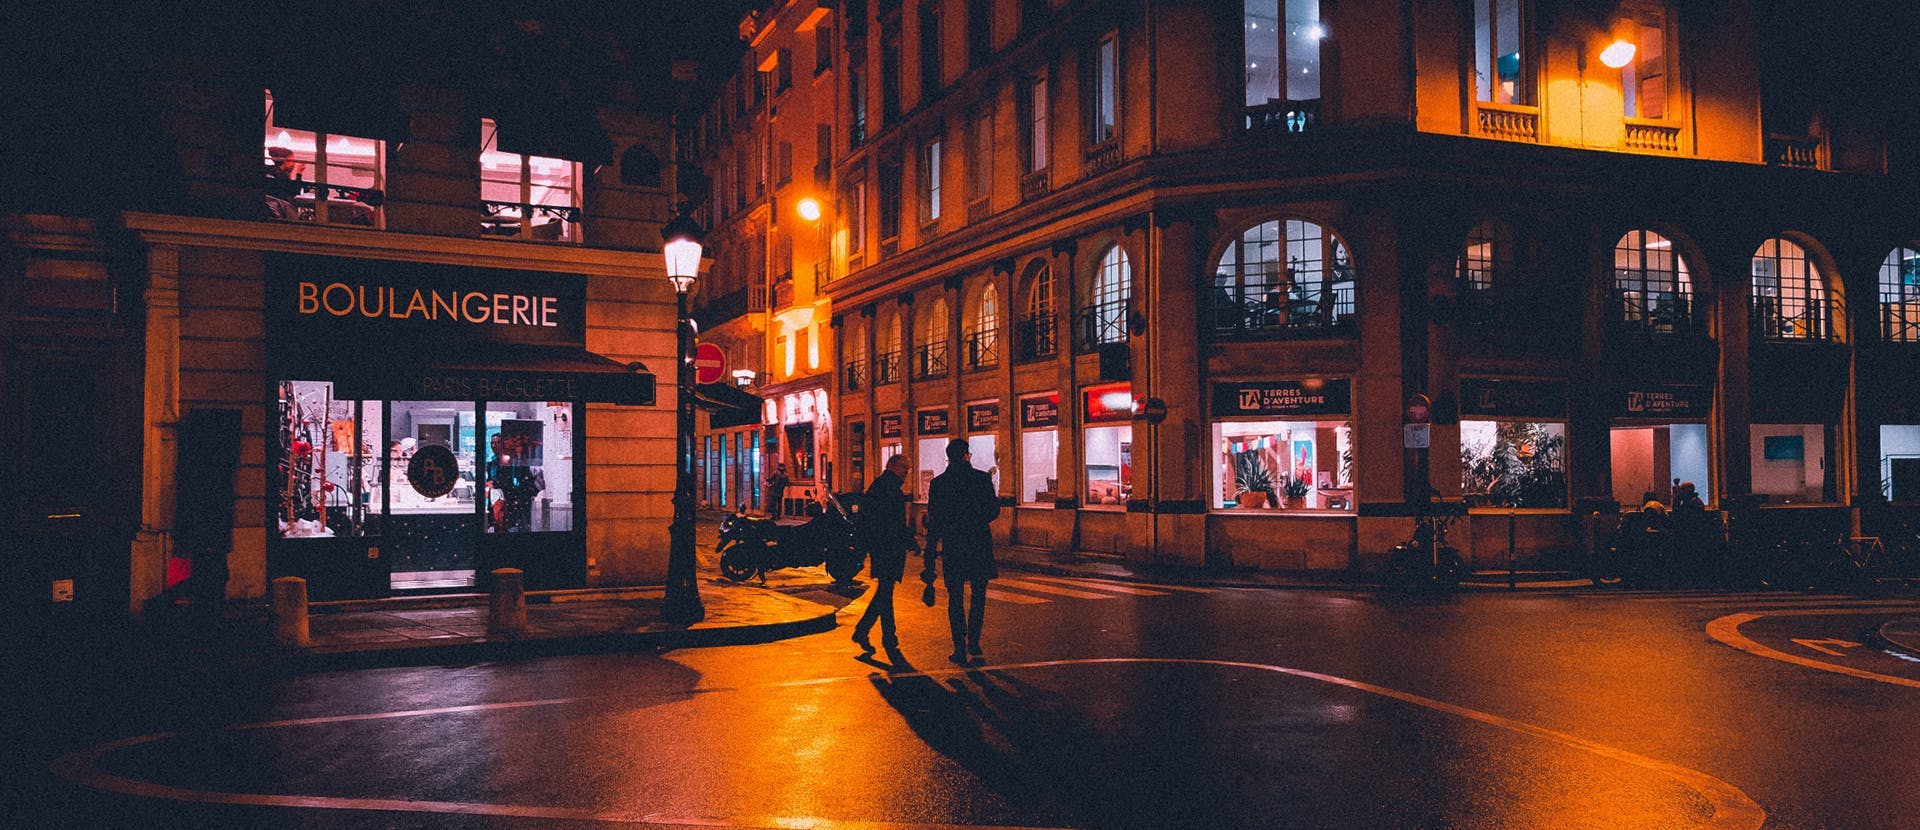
x=855, y=375
x=886, y=368
x=527, y=221
x=930, y=360
x=1033, y=338
x=982, y=348
x=1282, y=117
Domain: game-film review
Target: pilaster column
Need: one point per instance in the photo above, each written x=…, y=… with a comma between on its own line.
x=160, y=418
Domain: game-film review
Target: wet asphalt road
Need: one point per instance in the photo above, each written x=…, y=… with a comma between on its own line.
x=1099, y=705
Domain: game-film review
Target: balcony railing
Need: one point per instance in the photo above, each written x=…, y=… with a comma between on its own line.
x=1508, y=122
x=757, y=298
x=1773, y=318
x=930, y=360
x=1794, y=151
x=1255, y=311
x=1652, y=137
x=1033, y=185
x=526, y=221
x=979, y=209
x=1900, y=320
x=1660, y=314
x=343, y=205
x=855, y=375
x=982, y=347
x=886, y=368
x=1033, y=338
x=1103, y=157
x=1280, y=117
x=783, y=290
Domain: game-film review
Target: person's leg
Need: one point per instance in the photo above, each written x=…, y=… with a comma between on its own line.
x=976, y=615
x=865, y=625
x=883, y=601
x=957, y=612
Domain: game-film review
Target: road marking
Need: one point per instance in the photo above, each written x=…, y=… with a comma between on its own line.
x=1732, y=809
x=1051, y=589
x=1727, y=630
x=1816, y=645
x=1017, y=599
x=1099, y=586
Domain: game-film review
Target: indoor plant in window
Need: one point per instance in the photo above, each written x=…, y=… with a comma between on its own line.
x=1295, y=490
x=1255, y=483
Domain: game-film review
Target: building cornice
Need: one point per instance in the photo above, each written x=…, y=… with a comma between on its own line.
x=282, y=237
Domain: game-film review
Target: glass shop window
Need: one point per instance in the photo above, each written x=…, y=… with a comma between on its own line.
x=1900, y=463
x=1791, y=463
x=1109, y=460
x=527, y=197
x=529, y=467
x=1514, y=463
x=1290, y=465
x=1039, y=466
x=931, y=453
x=322, y=177
x=327, y=479
x=986, y=455
x=1656, y=459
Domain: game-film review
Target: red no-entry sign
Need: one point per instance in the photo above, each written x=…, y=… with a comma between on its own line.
x=709, y=363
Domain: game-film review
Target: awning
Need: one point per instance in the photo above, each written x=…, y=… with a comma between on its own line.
x=730, y=406
x=495, y=372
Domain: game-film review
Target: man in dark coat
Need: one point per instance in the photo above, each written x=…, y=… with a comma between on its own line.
x=961, y=503
x=884, y=516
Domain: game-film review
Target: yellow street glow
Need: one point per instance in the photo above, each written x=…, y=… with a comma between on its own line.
x=809, y=208
x=1617, y=53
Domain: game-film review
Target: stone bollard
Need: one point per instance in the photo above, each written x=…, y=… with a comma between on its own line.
x=507, y=611
x=290, y=612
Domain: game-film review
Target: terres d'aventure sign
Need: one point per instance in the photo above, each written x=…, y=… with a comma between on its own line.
x=1313, y=396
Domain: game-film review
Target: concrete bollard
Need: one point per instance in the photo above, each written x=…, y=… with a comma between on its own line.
x=507, y=610
x=290, y=612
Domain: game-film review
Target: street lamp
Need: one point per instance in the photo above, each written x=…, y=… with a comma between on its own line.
x=682, y=254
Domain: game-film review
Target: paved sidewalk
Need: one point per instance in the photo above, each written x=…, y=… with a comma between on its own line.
x=1112, y=567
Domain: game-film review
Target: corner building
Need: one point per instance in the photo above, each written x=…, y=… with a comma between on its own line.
x=1243, y=284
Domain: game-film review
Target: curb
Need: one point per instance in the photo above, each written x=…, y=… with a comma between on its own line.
x=1902, y=636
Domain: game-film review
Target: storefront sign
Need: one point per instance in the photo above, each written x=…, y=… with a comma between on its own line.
x=334, y=300
x=932, y=422
x=1313, y=396
x=890, y=425
x=1040, y=411
x=1111, y=402
x=983, y=416
x=1666, y=401
x=433, y=471
x=1513, y=398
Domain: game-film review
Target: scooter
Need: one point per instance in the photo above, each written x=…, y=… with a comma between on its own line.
x=752, y=545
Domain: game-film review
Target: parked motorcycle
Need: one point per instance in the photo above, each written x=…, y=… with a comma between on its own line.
x=751, y=545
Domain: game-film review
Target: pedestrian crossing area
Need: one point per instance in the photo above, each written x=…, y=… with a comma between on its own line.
x=1034, y=589
x=1758, y=600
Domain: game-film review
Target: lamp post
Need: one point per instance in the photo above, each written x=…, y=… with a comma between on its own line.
x=682, y=253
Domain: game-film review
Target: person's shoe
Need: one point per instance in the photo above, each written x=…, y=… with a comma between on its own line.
x=860, y=639
x=974, y=649
x=958, y=659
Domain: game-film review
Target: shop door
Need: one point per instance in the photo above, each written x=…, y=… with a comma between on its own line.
x=531, y=480
x=432, y=518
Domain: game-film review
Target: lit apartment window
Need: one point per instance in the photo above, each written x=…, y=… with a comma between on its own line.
x=1501, y=68
x=1900, y=296
x=1487, y=258
x=1102, y=97
x=1643, y=81
x=322, y=177
x=930, y=158
x=1789, y=294
x=1652, y=291
x=1033, y=102
x=1281, y=276
x=982, y=339
x=1106, y=319
x=930, y=349
x=1282, y=54
x=1034, y=335
x=528, y=197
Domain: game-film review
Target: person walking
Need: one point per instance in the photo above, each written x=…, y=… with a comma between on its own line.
x=888, y=539
x=961, y=503
x=777, y=491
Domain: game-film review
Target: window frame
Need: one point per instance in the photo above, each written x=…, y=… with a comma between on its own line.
x=1109, y=298
x=1643, y=315
x=1809, y=289
x=1898, y=295
x=1277, y=313
x=1103, y=93
x=568, y=216
x=371, y=197
x=929, y=177
x=1486, y=64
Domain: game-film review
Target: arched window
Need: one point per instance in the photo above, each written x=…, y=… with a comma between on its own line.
x=1106, y=318
x=1283, y=275
x=1033, y=337
x=930, y=348
x=1790, y=299
x=1486, y=261
x=983, y=337
x=856, y=369
x=1900, y=296
x=886, y=364
x=1652, y=292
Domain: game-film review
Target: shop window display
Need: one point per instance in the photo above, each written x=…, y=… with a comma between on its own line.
x=1109, y=461
x=1655, y=458
x=327, y=478
x=1039, y=465
x=1790, y=463
x=529, y=467
x=1296, y=465
x=1900, y=463
x=986, y=455
x=932, y=455
x=1514, y=463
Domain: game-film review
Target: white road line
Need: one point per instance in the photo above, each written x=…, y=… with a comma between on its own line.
x=1727, y=630
x=1732, y=809
x=1017, y=599
x=1050, y=589
x=1099, y=586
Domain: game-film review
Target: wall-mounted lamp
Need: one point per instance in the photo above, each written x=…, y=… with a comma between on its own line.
x=1618, y=53
x=809, y=209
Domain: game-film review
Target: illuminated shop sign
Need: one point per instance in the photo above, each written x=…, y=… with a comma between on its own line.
x=890, y=425
x=1503, y=398
x=1313, y=396
x=336, y=299
x=1111, y=402
x=983, y=416
x=932, y=422
x=1665, y=401
x=1040, y=411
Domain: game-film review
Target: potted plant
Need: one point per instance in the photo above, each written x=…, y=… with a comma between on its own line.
x=1256, y=484
x=1295, y=490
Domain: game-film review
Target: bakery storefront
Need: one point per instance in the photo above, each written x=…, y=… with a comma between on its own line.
x=425, y=424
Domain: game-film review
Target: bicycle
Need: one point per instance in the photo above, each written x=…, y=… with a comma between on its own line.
x=1427, y=561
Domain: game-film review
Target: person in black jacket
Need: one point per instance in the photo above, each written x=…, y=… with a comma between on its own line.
x=888, y=539
x=961, y=504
